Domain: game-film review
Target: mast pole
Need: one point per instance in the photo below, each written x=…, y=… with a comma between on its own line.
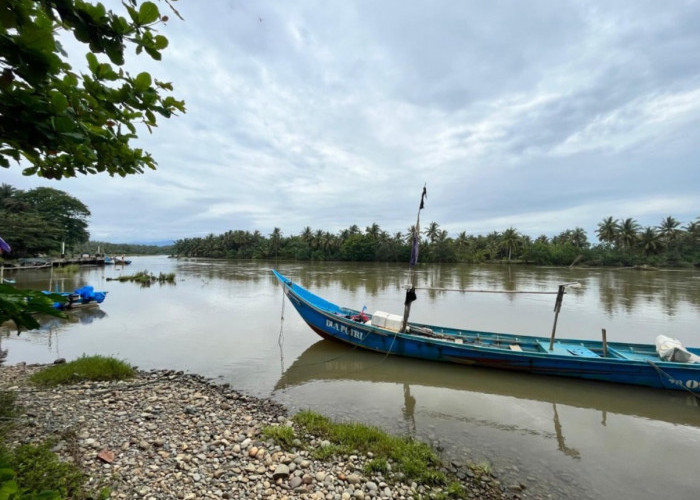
x=411, y=288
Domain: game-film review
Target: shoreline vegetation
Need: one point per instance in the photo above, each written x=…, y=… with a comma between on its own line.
x=622, y=243
x=49, y=222
x=97, y=428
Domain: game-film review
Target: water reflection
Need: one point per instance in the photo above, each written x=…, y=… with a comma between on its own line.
x=83, y=315
x=330, y=361
x=616, y=289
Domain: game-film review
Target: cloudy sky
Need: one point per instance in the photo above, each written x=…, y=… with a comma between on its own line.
x=541, y=115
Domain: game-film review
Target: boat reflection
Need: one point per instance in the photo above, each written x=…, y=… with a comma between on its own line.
x=329, y=361
x=83, y=315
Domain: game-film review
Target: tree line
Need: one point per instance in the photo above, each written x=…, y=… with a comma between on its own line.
x=47, y=221
x=621, y=242
x=41, y=220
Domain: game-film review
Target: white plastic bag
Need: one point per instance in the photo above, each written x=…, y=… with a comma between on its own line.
x=672, y=350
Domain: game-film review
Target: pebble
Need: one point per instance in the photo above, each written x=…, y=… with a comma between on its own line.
x=167, y=434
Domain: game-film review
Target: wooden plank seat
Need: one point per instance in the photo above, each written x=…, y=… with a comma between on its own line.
x=564, y=349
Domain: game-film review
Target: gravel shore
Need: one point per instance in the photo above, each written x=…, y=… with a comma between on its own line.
x=170, y=435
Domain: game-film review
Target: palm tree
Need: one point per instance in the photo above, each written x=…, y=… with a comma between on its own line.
x=307, y=236
x=693, y=229
x=276, y=239
x=509, y=240
x=432, y=231
x=628, y=233
x=410, y=232
x=373, y=231
x=668, y=228
x=608, y=230
x=579, y=238
x=650, y=241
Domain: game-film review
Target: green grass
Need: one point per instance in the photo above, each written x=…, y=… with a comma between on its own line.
x=83, y=368
x=8, y=412
x=280, y=434
x=145, y=278
x=416, y=460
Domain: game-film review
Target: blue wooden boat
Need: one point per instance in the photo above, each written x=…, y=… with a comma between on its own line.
x=83, y=296
x=625, y=363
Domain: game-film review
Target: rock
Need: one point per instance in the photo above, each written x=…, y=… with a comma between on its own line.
x=106, y=456
x=180, y=436
x=354, y=479
x=281, y=472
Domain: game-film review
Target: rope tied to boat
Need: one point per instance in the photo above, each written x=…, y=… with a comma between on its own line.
x=483, y=291
x=661, y=373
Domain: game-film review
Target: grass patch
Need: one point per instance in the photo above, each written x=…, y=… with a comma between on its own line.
x=38, y=469
x=282, y=435
x=144, y=278
x=83, y=368
x=415, y=460
x=8, y=412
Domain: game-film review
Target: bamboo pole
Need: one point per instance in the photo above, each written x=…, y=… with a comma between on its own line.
x=605, y=344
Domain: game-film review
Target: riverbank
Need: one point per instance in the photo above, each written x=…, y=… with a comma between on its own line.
x=168, y=434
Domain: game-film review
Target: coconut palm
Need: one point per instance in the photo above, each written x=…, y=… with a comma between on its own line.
x=627, y=236
x=373, y=231
x=307, y=236
x=432, y=231
x=276, y=240
x=510, y=240
x=650, y=241
x=668, y=228
x=608, y=230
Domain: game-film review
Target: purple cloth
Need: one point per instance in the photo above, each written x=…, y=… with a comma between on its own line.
x=4, y=246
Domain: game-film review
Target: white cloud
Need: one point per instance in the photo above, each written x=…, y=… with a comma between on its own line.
x=332, y=114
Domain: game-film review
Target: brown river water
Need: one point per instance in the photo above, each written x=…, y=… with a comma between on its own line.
x=557, y=437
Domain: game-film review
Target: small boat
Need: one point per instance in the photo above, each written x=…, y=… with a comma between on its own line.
x=665, y=365
x=84, y=296
x=626, y=363
x=118, y=261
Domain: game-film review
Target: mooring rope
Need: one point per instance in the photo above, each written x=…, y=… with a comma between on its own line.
x=484, y=291
x=661, y=372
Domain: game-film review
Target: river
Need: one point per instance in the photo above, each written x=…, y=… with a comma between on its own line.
x=566, y=438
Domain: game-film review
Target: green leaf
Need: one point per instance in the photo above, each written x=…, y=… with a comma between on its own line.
x=75, y=136
x=160, y=42
x=105, y=72
x=153, y=53
x=148, y=13
x=59, y=103
x=142, y=81
x=92, y=62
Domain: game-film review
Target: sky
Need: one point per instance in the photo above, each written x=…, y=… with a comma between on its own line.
x=538, y=115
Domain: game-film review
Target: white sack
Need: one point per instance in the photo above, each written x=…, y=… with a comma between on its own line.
x=672, y=350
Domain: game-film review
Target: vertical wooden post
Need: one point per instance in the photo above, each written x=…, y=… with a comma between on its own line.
x=557, y=308
x=605, y=344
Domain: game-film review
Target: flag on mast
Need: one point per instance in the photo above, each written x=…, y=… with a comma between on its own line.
x=416, y=231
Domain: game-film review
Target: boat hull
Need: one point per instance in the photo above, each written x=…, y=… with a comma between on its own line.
x=570, y=358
